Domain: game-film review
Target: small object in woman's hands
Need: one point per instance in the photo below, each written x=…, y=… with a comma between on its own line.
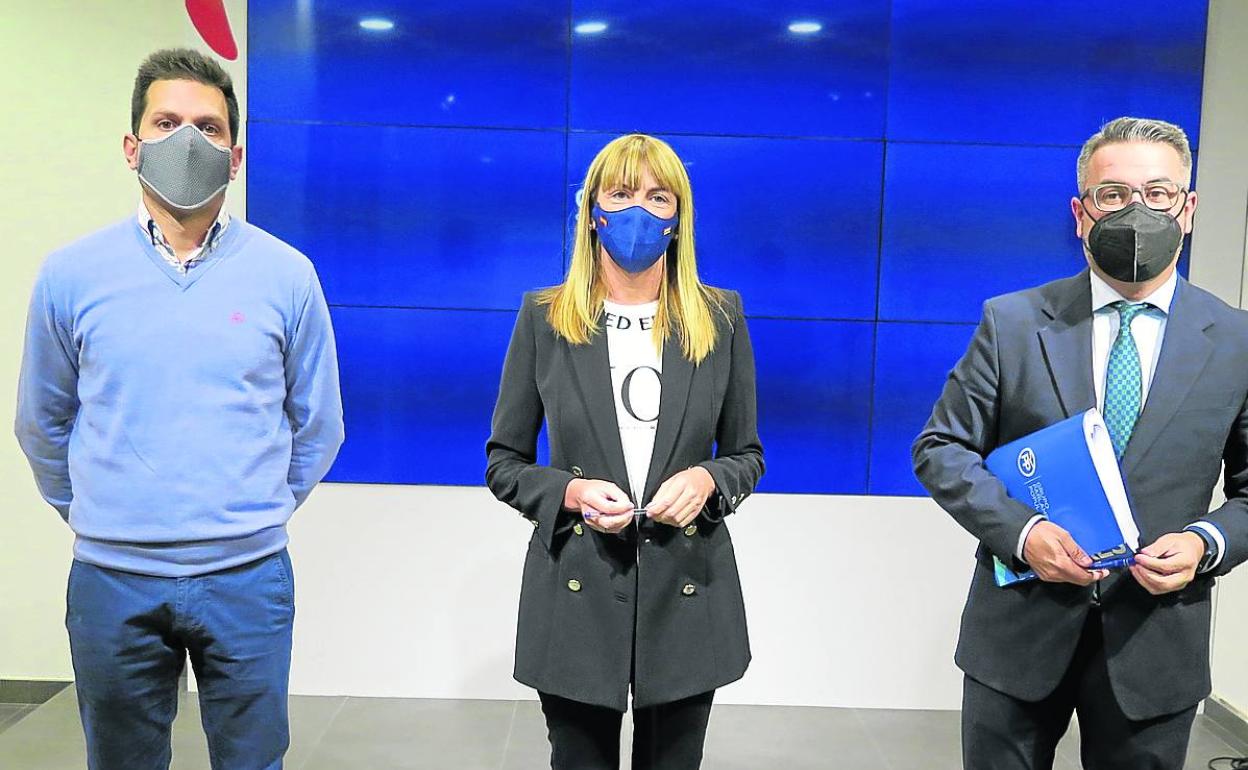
x=639, y=513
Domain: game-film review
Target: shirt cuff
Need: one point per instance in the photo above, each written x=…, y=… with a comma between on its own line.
x=1022, y=538
x=1212, y=530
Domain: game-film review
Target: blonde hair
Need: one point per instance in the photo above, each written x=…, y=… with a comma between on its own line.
x=1128, y=129
x=686, y=305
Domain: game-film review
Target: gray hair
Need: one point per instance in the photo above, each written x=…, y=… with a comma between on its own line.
x=1127, y=129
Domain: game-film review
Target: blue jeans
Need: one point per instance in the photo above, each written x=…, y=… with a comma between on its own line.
x=130, y=636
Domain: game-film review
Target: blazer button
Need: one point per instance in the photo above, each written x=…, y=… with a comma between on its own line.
x=576, y=471
x=535, y=522
x=691, y=530
x=574, y=585
x=578, y=529
x=689, y=590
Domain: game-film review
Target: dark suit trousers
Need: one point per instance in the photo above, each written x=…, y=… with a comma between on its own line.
x=668, y=736
x=1003, y=733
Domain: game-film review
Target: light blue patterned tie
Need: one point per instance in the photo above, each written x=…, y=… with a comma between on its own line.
x=1123, y=379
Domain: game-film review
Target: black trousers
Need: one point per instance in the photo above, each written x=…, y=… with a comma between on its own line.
x=1003, y=733
x=668, y=736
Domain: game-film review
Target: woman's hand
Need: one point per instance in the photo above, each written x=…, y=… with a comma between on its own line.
x=681, y=498
x=603, y=505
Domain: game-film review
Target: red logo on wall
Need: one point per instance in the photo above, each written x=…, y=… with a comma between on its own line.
x=213, y=26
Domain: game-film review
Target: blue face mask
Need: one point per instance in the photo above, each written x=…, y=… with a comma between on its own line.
x=633, y=237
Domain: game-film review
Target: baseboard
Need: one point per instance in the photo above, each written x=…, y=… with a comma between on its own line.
x=29, y=691
x=1228, y=718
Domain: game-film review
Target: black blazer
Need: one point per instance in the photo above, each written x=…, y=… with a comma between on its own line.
x=1030, y=365
x=582, y=589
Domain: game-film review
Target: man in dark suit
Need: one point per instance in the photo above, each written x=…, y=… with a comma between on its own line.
x=1167, y=364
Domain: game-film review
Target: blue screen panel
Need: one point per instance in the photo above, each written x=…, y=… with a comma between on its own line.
x=714, y=67
x=419, y=388
x=791, y=224
x=814, y=400
x=1021, y=72
x=413, y=217
x=439, y=62
x=965, y=223
x=911, y=364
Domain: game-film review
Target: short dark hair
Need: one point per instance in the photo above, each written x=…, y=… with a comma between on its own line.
x=182, y=64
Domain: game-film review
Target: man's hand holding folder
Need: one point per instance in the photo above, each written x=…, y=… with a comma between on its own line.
x=1169, y=563
x=1055, y=557
x=1069, y=475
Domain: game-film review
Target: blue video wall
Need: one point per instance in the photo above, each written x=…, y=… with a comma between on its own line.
x=865, y=173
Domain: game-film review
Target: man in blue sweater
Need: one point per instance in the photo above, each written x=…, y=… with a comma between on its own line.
x=178, y=400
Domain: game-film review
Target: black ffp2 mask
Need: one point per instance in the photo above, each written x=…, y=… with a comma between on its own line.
x=1135, y=244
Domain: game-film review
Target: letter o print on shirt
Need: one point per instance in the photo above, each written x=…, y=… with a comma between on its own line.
x=626, y=394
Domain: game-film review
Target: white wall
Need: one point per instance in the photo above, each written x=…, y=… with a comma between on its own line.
x=1218, y=260
x=412, y=591
x=69, y=70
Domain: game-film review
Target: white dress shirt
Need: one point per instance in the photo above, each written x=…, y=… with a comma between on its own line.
x=1148, y=329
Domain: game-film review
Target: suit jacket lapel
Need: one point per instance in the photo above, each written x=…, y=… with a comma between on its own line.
x=677, y=380
x=1067, y=345
x=592, y=368
x=1185, y=350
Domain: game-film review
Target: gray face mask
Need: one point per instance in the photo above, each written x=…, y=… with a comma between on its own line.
x=184, y=169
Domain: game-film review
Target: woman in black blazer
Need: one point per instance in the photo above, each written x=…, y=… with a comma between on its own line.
x=645, y=379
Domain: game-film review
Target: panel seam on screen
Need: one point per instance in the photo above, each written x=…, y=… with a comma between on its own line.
x=555, y=129
x=564, y=257
x=879, y=250
x=348, y=306
x=750, y=316
x=689, y=134
x=247, y=123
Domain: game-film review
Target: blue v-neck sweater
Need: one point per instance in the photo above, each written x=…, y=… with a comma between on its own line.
x=176, y=421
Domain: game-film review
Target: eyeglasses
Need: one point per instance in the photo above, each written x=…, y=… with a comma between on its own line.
x=1115, y=196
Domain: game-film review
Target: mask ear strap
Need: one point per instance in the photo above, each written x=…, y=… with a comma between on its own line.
x=1083, y=241
x=1183, y=205
x=1084, y=206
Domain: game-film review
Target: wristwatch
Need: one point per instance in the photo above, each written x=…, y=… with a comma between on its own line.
x=1211, y=550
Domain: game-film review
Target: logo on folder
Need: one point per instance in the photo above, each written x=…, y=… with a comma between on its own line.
x=1027, y=462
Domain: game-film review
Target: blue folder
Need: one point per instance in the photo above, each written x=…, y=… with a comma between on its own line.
x=1069, y=472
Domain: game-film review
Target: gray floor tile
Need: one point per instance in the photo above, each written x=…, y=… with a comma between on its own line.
x=1206, y=744
x=527, y=747
x=1235, y=742
x=50, y=736
x=380, y=734
x=394, y=734
x=1208, y=741
x=47, y=738
x=928, y=739
x=793, y=738
x=310, y=718
x=11, y=713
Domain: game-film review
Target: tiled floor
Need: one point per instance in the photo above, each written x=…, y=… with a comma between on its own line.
x=381, y=734
x=10, y=713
